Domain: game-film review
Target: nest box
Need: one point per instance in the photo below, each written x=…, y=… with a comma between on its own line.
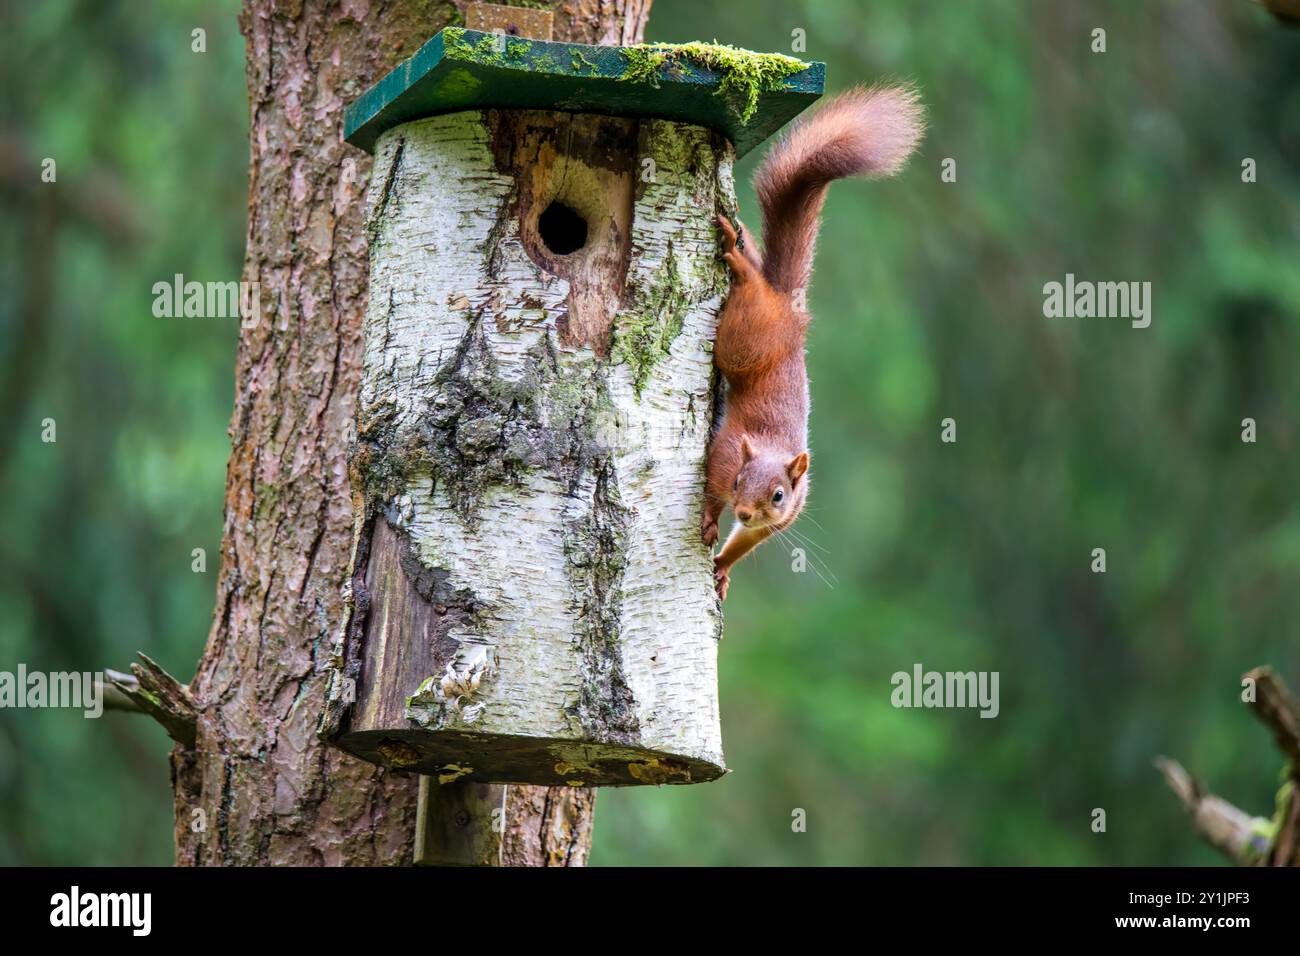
x=530, y=600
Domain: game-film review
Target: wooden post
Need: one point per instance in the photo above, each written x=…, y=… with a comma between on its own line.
x=459, y=824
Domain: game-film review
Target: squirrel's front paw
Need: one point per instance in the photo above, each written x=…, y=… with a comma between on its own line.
x=733, y=245
x=721, y=579
x=709, y=530
x=729, y=235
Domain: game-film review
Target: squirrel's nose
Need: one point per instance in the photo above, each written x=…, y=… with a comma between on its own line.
x=744, y=514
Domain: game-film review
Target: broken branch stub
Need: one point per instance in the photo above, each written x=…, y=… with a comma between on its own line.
x=151, y=690
x=1231, y=831
x=1277, y=709
x=531, y=601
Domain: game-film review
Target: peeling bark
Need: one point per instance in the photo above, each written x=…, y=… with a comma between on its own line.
x=259, y=787
x=533, y=600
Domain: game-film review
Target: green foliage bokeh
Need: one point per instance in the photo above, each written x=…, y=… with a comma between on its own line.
x=927, y=304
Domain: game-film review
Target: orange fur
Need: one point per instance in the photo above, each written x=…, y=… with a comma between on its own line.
x=758, y=458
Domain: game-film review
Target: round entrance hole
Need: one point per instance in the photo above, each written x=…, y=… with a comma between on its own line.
x=562, y=230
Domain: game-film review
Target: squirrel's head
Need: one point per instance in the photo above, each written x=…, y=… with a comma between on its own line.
x=769, y=487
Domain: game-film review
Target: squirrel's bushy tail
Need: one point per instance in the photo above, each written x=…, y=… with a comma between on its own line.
x=862, y=132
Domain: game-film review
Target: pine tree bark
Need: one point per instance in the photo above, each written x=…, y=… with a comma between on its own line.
x=259, y=787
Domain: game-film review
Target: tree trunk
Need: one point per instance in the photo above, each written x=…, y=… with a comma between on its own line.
x=260, y=787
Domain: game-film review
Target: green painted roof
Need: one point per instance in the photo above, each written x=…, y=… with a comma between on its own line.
x=465, y=69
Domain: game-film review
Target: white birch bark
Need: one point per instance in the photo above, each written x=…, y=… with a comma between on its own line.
x=533, y=600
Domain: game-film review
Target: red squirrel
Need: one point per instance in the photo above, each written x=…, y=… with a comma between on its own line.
x=758, y=456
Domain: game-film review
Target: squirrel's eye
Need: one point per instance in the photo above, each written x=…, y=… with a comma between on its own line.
x=776, y=498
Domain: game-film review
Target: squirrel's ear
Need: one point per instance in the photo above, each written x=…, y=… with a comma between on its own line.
x=746, y=448
x=797, y=466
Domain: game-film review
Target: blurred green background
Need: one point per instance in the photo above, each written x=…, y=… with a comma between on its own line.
x=1072, y=434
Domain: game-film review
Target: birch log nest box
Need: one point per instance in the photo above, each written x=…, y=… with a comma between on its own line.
x=530, y=598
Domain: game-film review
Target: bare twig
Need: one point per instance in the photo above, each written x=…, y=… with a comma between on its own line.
x=1229, y=830
x=115, y=699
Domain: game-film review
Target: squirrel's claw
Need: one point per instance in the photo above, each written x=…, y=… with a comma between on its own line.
x=721, y=580
x=728, y=234
x=709, y=530
x=732, y=251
